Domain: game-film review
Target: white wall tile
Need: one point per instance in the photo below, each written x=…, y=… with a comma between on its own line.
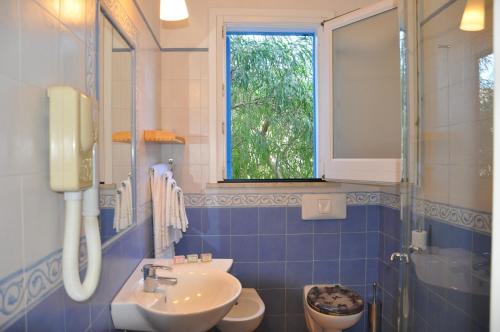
x=39, y=45
x=43, y=215
x=11, y=236
x=72, y=59
x=10, y=104
x=9, y=38
x=72, y=15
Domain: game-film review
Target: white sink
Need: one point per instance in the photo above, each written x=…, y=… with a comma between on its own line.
x=203, y=295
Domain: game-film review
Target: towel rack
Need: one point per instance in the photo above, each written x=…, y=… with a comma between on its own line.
x=170, y=164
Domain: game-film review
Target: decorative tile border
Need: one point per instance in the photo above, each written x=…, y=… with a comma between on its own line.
x=120, y=17
x=22, y=290
x=107, y=200
x=457, y=216
x=283, y=199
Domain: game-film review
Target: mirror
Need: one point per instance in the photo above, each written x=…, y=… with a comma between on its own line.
x=116, y=107
x=366, y=116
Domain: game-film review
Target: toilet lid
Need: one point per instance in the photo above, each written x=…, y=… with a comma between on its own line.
x=334, y=300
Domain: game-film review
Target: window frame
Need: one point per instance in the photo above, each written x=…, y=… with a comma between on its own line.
x=347, y=169
x=228, y=84
x=222, y=20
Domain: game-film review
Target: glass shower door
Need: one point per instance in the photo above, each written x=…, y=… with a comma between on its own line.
x=446, y=204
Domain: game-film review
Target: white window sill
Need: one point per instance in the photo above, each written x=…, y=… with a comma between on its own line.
x=292, y=187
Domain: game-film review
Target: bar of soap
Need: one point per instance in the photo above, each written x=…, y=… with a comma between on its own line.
x=206, y=257
x=193, y=258
x=181, y=259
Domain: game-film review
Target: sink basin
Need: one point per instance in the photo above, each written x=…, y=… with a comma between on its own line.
x=203, y=295
x=197, y=303
x=451, y=268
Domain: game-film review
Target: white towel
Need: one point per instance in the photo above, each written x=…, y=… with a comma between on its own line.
x=116, y=219
x=123, y=206
x=169, y=215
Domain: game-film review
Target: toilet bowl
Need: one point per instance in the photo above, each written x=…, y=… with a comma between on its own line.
x=246, y=315
x=331, y=308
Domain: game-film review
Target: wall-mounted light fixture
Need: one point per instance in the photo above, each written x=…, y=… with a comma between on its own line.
x=173, y=10
x=473, y=16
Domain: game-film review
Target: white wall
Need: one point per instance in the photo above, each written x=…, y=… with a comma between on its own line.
x=43, y=44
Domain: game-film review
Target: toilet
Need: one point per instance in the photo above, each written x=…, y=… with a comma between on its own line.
x=246, y=315
x=331, y=308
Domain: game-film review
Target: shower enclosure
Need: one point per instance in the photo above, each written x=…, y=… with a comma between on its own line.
x=446, y=192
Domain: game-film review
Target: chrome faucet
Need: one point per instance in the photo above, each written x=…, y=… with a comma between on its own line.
x=151, y=279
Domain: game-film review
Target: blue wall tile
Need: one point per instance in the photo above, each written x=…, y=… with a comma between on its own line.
x=296, y=323
x=391, y=223
x=103, y=323
x=244, y=221
x=17, y=326
x=373, y=217
x=294, y=301
x=295, y=224
x=353, y=245
x=326, y=246
x=272, y=248
x=327, y=226
x=447, y=236
x=194, y=219
x=372, y=266
x=49, y=314
x=218, y=245
x=272, y=220
x=77, y=315
x=372, y=244
x=274, y=300
x=271, y=275
x=189, y=245
x=215, y=221
x=326, y=272
x=355, y=221
x=352, y=271
x=245, y=248
x=106, y=218
x=299, y=247
x=298, y=274
x=247, y=274
x=274, y=323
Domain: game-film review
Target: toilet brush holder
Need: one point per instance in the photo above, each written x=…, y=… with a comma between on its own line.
x=374, y=310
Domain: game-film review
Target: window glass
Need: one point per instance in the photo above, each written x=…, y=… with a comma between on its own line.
x=366, y=105
x=270, y=105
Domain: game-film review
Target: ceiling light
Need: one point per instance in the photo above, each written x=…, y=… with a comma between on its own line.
x=173, y=10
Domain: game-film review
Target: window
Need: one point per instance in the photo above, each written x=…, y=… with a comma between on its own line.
x=270, y=105
x=278, y=107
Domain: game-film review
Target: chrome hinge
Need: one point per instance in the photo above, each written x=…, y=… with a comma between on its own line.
x=223, y=127
x=223, y=89
x=397, y=256
x=223, y=32
x=223, y=172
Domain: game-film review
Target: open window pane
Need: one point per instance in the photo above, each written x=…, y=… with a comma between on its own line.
x=366, y=109
x=270, y=105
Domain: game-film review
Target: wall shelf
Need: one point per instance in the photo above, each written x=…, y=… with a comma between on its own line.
x=121, y=137
x=152, y=136
x=161, y=136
